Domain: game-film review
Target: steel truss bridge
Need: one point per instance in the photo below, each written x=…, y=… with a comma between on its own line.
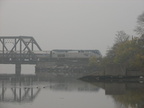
x=23, y=50
x=18, y=49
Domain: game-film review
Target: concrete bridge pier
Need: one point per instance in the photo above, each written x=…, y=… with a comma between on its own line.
x=18, y=69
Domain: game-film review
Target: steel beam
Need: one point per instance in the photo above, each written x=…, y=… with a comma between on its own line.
x=22, y=48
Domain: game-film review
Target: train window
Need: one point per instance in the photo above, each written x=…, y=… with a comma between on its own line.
x=82, y=51
x=61, y=55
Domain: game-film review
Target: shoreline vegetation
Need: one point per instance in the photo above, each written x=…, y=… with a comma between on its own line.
x=127, y=51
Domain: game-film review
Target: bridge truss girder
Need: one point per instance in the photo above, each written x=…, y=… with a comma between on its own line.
x=20, y=49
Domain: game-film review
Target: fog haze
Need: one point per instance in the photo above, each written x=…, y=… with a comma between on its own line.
x=69, y=24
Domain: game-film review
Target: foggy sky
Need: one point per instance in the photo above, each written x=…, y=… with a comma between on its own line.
x=69, y=24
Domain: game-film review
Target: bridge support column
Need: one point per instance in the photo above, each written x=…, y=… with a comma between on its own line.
x=18, y=69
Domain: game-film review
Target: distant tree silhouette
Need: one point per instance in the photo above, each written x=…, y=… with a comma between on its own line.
x=140, y=27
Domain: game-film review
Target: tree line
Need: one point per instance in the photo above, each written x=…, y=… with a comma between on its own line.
x=127, y=50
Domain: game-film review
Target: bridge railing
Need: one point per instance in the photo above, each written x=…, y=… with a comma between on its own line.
x=23, y=56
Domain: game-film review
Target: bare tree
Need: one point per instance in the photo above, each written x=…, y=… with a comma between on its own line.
x=140, y=27
x=121, y=36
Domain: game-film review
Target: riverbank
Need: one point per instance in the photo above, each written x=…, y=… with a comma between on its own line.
x=102, y=78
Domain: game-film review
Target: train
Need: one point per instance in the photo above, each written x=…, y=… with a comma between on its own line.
x=69, y=54
x=53, y=54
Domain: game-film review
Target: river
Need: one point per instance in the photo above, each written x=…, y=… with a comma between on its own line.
x=65, y=92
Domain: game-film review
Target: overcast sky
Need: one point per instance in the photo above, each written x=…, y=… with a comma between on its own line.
x=69, y=24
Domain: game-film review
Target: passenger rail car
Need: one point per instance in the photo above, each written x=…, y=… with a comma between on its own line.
x=75, y=54
x=55, y=54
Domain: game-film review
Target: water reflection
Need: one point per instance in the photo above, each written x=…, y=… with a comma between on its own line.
x=18, y=91
x=25, y=88
x=125, y=94
x=55, y=91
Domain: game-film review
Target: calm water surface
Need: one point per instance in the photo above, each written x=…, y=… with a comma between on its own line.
x=67, y=92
